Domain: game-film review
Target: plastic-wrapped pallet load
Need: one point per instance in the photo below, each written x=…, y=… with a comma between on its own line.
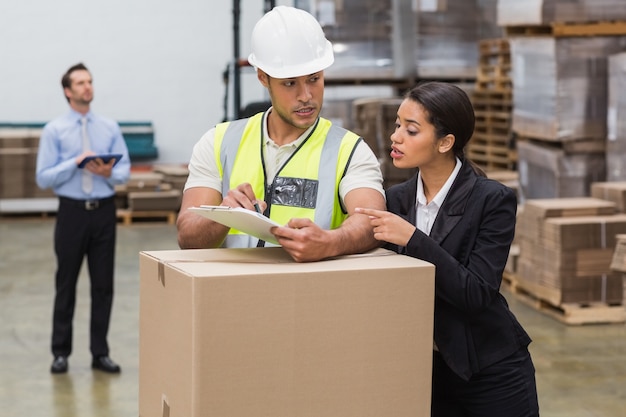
x=387, y=39
x=538, y=12
x=616, y=119
x=447, y=34
x=559, y=85
x=550, y=172
x=361, y=33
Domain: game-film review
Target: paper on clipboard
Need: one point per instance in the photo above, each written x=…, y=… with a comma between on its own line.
x=246, y=221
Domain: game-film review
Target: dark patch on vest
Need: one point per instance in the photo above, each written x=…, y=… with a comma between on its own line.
x=294, y=192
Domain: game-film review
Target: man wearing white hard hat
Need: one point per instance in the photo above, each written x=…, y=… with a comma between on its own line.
x=296, y=167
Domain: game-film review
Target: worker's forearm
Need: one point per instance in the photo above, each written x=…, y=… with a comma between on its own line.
x=195, y=232
x=354, y=236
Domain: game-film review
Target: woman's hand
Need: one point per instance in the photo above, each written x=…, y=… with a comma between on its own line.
x=389, y=227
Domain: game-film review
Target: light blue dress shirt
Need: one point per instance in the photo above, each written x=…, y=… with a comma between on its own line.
x=60, y=144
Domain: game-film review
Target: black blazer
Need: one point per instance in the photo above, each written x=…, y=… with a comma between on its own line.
x=469, y=245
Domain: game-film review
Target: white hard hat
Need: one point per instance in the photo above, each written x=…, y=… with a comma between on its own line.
x=289, y=42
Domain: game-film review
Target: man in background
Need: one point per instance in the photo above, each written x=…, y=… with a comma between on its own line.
x=86, y=220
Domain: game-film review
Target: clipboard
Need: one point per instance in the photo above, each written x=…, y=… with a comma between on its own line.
x=246, y=221
x=105, y=158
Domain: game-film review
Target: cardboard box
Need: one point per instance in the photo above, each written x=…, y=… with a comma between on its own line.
x=616, y=119
x=534, y=212
x=566, y=246
x=13, y=172
x=250, y=332
x=618, y=262
x=144, y=181
x=614, y=191
x=538, y=12
x=175, y=175
x=19, y=137
x=374, y=120
x=546, y=172
x=155, y=200
x=560, y=86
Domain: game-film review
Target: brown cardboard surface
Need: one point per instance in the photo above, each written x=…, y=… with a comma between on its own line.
x=614, y=191
x=242, y=332
x=583, y=231
x=144, y=180
x=530, y=221
x=618, y=261
x=13, y=172
x=572, y=206
x=154, y=200
x=566, y=246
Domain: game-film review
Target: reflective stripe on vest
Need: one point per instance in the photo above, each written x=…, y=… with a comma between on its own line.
x=306, y=186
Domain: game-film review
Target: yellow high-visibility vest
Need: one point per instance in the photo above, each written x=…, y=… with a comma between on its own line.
x=306, y=186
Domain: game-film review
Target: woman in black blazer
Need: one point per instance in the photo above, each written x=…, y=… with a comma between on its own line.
x=452, y=216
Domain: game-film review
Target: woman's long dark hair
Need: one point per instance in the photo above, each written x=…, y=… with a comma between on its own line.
x=450, y=111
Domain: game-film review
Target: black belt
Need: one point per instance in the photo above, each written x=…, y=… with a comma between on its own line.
x=92, y=204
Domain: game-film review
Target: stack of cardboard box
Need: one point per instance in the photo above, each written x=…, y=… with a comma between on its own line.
x=447, y=34
x=616, y=119
x=537, y=12
x=614, y=191
x=618, y=263
x=147, y=191
x=173, y=174
x=560, y=112
x=566, y=245
x=375, y=121
x=18, y=159
x=559, y=70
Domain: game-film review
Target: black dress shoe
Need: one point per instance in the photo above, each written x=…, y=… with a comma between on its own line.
x=106, y=364
x=59, y=365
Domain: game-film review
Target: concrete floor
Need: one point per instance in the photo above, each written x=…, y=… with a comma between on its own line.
x=581, y=370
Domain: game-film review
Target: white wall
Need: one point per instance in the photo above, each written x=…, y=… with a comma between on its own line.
x=152, y=60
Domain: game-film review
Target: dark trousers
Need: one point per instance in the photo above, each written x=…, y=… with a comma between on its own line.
x=83, y=231
x=504, y=389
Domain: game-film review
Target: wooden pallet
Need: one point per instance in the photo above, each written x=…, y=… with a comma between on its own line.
x=493, y=101
x=130, y=216
x=491, y=145
x=488, y=71
x=509, y=282
x=494, y=65
x=498, y=84
x=493, y=125
x=561, y=29
x=496, y=46
x=567, y=313
x=491, y=157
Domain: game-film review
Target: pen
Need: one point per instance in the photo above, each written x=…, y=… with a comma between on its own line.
x=257, y=208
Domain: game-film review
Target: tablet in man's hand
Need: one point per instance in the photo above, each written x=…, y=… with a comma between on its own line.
x=105, y=158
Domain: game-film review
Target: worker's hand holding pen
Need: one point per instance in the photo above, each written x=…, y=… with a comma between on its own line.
x=243, y=196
